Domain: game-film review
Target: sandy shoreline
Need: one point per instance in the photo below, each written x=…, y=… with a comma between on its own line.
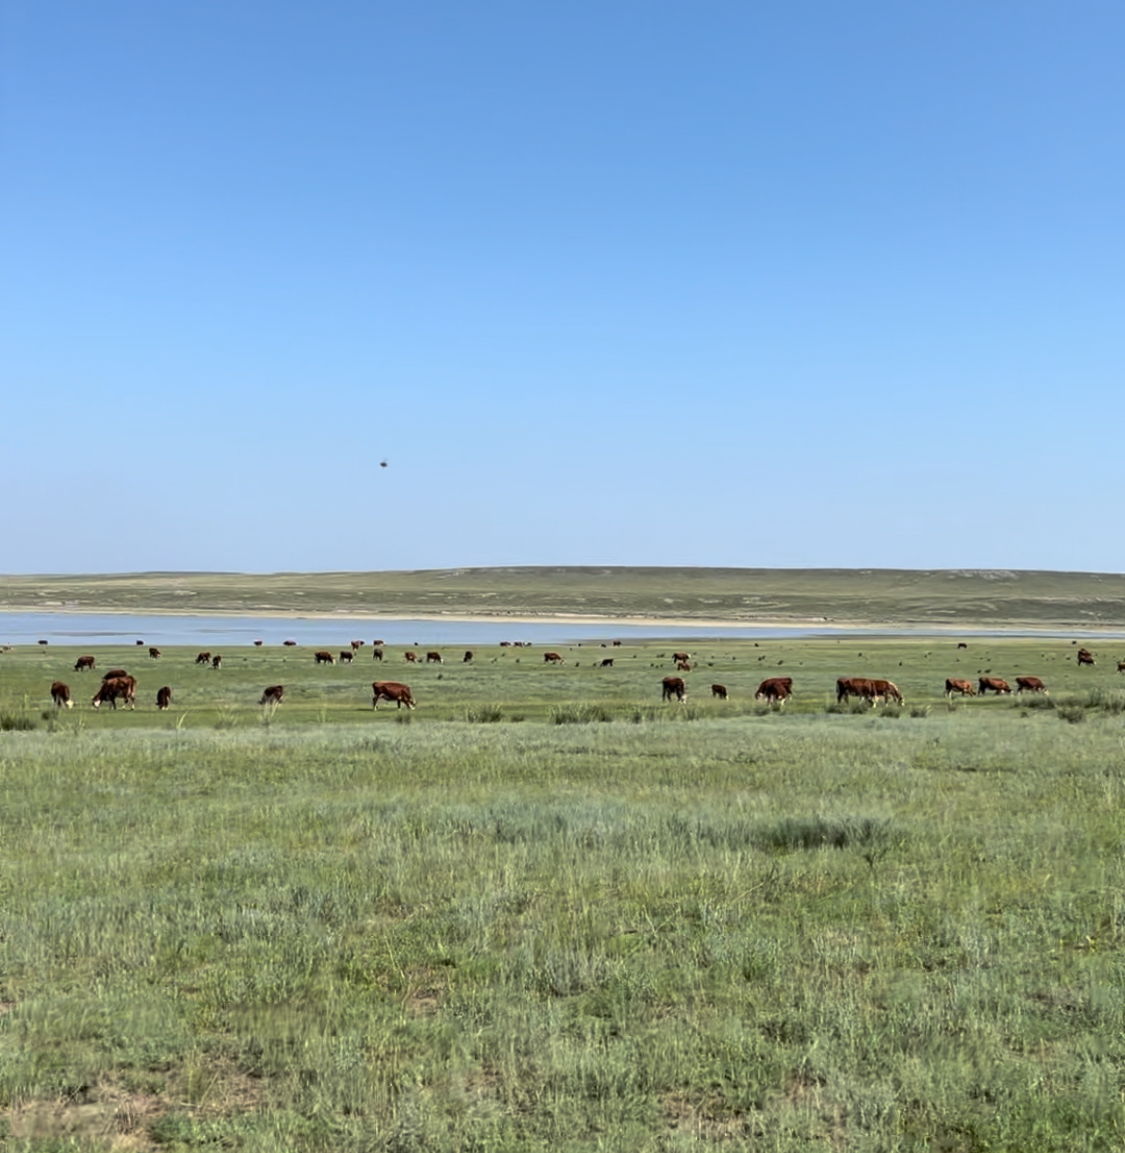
x=811, y=624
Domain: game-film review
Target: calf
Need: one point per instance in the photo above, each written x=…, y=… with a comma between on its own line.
x=391, y=691
x=84, y=663
x=376, y=654
x=216, y=661
x=272, y=695
x=965, y=688
x=154, y=653
x=357, y=645
x=60, y=694
x=163, y=698
x=1085, y=657
x=673, y=687
x=324, y=658
x=683, y=667
x=678, y=657
x=719, y=691
x=410, y=656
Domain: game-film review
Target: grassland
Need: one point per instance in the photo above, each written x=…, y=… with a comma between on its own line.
x=551, y=912
x=883, y=597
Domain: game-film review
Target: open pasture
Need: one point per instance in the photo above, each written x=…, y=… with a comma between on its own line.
x=655, y=927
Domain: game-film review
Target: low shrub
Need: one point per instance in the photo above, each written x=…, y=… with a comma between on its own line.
x=17, y=723
x=485, y=715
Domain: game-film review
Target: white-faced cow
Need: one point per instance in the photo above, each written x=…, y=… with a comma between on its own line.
x=391, y=691
x=673, y=687
x=123, y=688
x=995, y=685
x=60, y=695
x=324, y=658
x=719, y=691
x=272, y=695
x=954, y=685
x=552, y=658
x=1031, y=685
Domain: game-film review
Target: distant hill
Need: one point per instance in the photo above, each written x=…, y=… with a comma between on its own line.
x=986, y=598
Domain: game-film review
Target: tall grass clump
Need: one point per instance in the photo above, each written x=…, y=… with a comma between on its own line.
x=586, y=714
x=485, y=715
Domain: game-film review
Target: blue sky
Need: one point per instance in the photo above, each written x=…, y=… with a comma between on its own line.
x=763, y=284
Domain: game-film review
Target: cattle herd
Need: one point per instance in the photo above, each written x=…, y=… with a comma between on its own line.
x=118, y=685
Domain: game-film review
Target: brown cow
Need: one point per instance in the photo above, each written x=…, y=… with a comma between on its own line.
x=616, y=644
x=1031, y=685
x=410, y=656
x=775, y=690
x=124, y=687
x=113, y=674
x=357, y=645
x=288, y=644
x=678, y=657
x=346, y=656
x=674, y=687
x=376, y=654
x=216, y=661
x=378, y=644
x=1085, y=657
x=962, y=645
x=203, y=659
x=505, y=644
x=155, y=653
x=606, y=663
x=433, y=658
x=467, y=657
x=847, y=687
x=140, y=642
x=996, y=685
x=272, y=695
x=965, y=688
x=1121, y=666
x=60, y=694
x=719, y=691
x=84, y=663
x=391, y=691
x=887, y=690
x=163, y=697
x=324, y=658
x=683, y=666
x=258, y=644
x=552, y=659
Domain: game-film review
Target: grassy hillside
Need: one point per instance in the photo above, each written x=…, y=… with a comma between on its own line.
x=972, y=598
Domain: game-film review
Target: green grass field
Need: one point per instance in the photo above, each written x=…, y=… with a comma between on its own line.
x=883, y=597
x=551, y=912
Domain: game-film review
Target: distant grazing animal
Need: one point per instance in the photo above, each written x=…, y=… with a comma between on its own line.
x=552, y=659
x=616, y=644
x=113, y=674
x=962, y=645
x=467, y=657
x=1121, y=666
x=60, y=694
x=410, y=656
x=272, y=695
x=678, y=657
x=84, y=663
x=258, y=644
x=155, y=653
x=216, y=661
x=378, y=643
x=163, y=697
x=391, y=691
x=505, y=644
x=346, y=656
x=433, y=658
x=965, y=688
x=111, y=690
x=1031, y=685
x=42, y=642
x=140, y=642
x=606, y=663
x=376, y=654
x=719, y=691
x=848, y=687
x=357, y=645
x=775, y=690
x=203, y=659
x=887, y=690
x=324, y=658
x=288, y=644
x=673, y=687
x=683, y=666
x=996, y=685
x=1085, y=657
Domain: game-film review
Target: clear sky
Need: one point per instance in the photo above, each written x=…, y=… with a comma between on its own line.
x=782, y=283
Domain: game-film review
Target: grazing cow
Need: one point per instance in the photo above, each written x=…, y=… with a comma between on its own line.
x=847, y=687
x=113, y=674
x=258, y=644
x=154, y=653
x=505, y=644
x=719, y=691
x=552, y=659
x=467, y=657
x=124, y=687
x=42, y=642
x=357, y=645
x=378, y=644
x=1085, y=657
x=203, y=659
x=324, y=658
x=84, y=663
x=376, y=654
x=775, y=690
x=288, y=644
x=60, y=694
x=140, y=643
x=163, y=698
x=1031, y=685
x=410, y=656
x=683, y=666
x=965, y=688
x=391, y=691
x=216, y=661
x=272, y=695
x=607, y=663
x=995, y=685
x=673, y=687
x=962, y=645
x=346, y=656
x=887, y=690
x=681, y=657
x=616, y=644
x=433, y=658
x=1121, y=666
